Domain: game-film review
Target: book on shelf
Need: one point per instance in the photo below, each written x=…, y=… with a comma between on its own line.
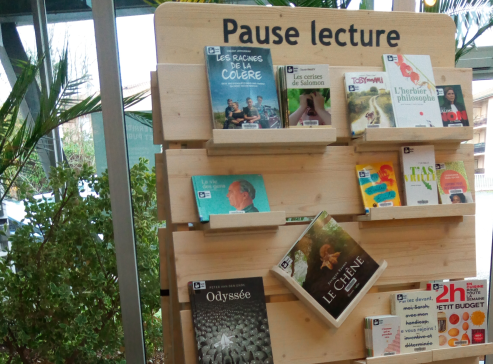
x=453, y=184
x=462, y=312
x=242, y=88
x=305, y=94
x=418, y=168
x=229, y=194
x=369, y=101
x=378, y=185
x=418, y=315
x=328, y=264
x=230, y=321
x=382, y=335
x=414, y=94
x=452, y=105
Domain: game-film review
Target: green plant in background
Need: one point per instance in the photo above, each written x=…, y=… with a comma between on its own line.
x=19, y=137
x=59, y=297
x=472, y=19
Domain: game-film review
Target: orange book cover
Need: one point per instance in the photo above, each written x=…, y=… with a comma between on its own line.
x=378, y=185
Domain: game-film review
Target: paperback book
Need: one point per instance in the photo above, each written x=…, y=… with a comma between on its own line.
x=453, y=185
x=329, y=264
x=229, y=194
x=418, y=167
x=242, y=88
x=414, y=94
x=369, y=101
x=452, y=106
x=382, y=335
x=230, y=321
x=462, y=312
x=418, y=314
x=305, y=92
x=378, y=185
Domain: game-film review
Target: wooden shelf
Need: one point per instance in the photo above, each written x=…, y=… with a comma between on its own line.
x=431, y=355
x=272, y=141
x=417, y=212
x=392, y=138
x=257, y=221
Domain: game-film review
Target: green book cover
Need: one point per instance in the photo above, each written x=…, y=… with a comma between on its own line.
x=229, y=194
x=453, y=185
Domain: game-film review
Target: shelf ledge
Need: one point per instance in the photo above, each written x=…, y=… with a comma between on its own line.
x=272, y=141
x=385, y=138
x=417, y=212
x=253, y=222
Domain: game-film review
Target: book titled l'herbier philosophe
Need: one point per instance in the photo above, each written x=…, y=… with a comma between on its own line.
x=418, y=314
x=382, y=335
x=453, y=185
x=306, y=94
x=329, y=264
x=452, y=106
x=418, y=167
x=369, y=101
x=378, y=185
x=230, y=321
x=462, y=312
x=413, y=90
x=229, y=194
x=242, y=88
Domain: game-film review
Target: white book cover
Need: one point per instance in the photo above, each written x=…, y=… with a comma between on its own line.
x=382, y=335
x=414, y=94
x=369, y=101
x=418, y=168
x=419, y=326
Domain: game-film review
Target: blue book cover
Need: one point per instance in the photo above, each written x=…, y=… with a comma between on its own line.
x=242, y=88
x=231, y=194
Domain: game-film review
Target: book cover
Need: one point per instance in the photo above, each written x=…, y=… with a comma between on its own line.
x=329, y=264
x=307, y=94
x=418, y=168
x=378, y=185
x=462, y=312
x=453, y=185
x=414, y=95
x=229, y=194
x=418, y=314
x=230, y=321
x=382, y=335
x=452, y=105
x=369, y=101
x=242, y=88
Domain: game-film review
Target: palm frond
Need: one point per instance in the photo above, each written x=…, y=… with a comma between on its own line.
x=143, y=117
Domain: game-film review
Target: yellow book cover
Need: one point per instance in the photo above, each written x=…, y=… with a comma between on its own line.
x=378, y=185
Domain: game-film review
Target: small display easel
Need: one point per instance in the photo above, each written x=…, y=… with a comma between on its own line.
x=302, y=174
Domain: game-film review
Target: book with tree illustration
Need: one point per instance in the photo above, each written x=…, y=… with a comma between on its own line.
x=414, y=94
x=242, y=88
x=452, y=105
x=329, y=265
x=369, y=101
x=453, y=185
x=230, y=321
x=306, y=94
x=378, y=185
x=418, y=168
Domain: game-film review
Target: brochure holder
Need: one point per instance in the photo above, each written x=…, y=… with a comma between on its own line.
x=302, y=174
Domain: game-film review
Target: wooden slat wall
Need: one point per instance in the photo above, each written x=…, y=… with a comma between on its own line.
x=300, y=184
x=189, y=107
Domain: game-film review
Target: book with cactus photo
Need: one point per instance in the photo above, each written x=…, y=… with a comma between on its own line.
x=230, y=321
x=329, y=265
x=413, y=89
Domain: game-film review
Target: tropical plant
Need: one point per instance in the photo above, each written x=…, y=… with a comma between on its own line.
x=19, y=137
x=59, y=296
x=472, y=19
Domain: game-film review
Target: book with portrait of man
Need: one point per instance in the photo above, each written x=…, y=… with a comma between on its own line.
x=229, y=194
x=242, y=88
